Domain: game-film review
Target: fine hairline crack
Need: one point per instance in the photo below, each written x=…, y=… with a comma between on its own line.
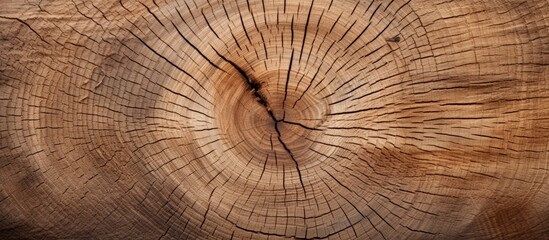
x=256, y=86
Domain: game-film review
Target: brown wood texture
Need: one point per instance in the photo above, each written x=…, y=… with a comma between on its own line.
x=222, y=119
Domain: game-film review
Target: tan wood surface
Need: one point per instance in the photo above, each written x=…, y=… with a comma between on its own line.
x=397, y=119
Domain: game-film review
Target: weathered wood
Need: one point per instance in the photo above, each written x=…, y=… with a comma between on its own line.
x=274, y=119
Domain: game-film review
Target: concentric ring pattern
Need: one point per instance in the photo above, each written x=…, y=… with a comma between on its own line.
x=274, y=119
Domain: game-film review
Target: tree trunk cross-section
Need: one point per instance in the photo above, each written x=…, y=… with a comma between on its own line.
x=273, y=119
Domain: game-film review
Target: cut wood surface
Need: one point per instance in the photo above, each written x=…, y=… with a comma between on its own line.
x=401, y=119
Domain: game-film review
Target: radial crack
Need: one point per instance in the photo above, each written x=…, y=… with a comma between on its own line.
x=256, y=86
x=291, y=156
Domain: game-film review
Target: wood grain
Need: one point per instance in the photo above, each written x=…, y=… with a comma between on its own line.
x=271, y=119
